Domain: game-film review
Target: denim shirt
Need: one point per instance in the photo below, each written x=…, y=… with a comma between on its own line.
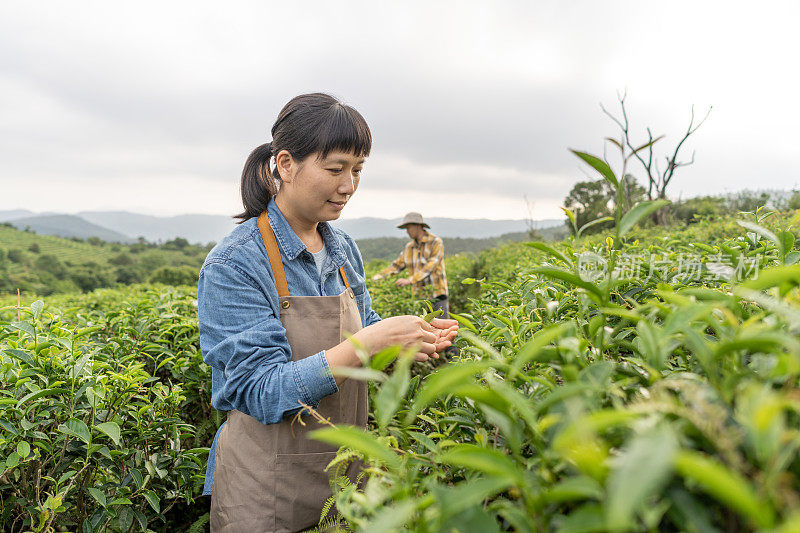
x=241, y=336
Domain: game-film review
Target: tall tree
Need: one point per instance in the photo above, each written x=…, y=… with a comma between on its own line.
x=591, y=200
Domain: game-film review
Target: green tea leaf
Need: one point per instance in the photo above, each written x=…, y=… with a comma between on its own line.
x=359, y=440
x=111, y=429
x=574, y=489
x=76, y=428
x=558, y=254
x=726, y=486
x=12, y=460
x=600, y=166
x=457, y=498
x=485, y=460
x=637, y=213
x=98, y=495
x=641, y=470
x=593, y=223
x=431, y=316
x=587, y=518
x=393, y=391
x=153, y=500
x=532, y=350
x=774, y=277
x=384, y=358
x=786, y=239
x=761, y=230
x=447, y=378
x=38, y=394
x=392, y=518
x=25, y=357
x=23, y=450
x=573, y=279
x=37, y=307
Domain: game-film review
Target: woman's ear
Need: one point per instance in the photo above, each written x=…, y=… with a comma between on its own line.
x=285, y=165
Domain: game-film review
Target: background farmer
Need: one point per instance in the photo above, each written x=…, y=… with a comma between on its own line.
x=423, y=257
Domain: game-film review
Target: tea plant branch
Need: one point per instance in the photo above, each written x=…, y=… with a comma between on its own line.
x=313, y=412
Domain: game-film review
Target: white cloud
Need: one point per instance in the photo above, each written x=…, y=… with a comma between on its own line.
x=462, y=97
x=393, y=203
x=157, y=195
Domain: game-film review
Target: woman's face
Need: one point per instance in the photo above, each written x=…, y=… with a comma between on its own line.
x=318, y=189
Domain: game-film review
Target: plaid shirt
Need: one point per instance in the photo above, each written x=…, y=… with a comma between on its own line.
x=425, y=264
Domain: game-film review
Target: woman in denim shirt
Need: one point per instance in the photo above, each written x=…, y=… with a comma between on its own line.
x=278, y=299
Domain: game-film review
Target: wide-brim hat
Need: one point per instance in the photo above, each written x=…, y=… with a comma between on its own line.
x=413, y=218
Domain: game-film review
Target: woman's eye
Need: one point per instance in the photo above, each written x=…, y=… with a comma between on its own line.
x=334, y=170
x=357, y=171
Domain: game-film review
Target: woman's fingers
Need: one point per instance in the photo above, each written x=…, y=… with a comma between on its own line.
x=425, y=325
x=443, y=345
x=422, y=357
x=444, y=323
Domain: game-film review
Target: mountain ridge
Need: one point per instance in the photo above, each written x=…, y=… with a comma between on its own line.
x=125, y=226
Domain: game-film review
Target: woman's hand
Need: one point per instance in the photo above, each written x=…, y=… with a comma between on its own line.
x=446, y=329
x=408, y=331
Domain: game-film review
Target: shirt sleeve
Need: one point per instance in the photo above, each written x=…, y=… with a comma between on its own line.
x=241, y=336
x=396, y=266
x=435, y=258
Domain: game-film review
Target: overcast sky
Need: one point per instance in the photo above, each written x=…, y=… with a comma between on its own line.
x=153, y=107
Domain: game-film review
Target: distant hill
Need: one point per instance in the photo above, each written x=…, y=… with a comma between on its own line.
x=194, y=228
x=387, y=248
x=123, y=226
x=369, y=228
x=5, y=216
x=69, y=226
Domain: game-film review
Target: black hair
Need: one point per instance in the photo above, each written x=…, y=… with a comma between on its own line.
x=309, y=124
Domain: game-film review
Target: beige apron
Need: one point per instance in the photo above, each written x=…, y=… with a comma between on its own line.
x=271, y=478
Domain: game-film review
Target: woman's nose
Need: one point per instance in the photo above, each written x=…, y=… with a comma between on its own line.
x=348, y=185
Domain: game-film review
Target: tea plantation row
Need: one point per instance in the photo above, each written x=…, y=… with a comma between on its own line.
x=650, y=401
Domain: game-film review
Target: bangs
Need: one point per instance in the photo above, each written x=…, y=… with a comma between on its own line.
x=344, y=130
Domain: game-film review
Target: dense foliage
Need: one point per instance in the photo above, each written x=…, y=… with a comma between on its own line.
x=45, y=265
x=662, y=398
x=387, y=248
x=104, y=407
x=655, y=398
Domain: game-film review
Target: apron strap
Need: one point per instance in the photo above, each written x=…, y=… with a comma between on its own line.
x=274, y=254
x=344, y=277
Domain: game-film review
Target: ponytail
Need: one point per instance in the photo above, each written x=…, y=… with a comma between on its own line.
x=258, y=185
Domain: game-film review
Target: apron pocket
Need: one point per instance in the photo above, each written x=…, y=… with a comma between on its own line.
x=301, y=489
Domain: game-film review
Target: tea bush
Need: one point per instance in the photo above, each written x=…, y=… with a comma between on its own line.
x=99, y=402
x=638, y=402
x=650, y=400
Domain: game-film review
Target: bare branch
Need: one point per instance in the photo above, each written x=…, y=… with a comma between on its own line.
x=612, y=117
x=615, y=142
x=701, y=122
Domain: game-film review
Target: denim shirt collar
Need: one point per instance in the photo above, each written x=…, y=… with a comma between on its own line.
x=290, y=243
